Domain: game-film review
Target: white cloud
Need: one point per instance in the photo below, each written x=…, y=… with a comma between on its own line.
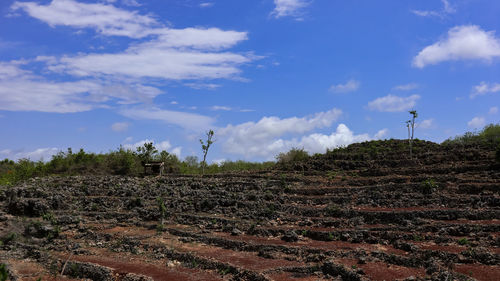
x=202, y=86
x=185, y=120
x=263, y=142
x=447, y=9
x=189, y=53
x=349, y=86
x=160, y=146
x=392, y=103
x=120, y=126
x=20, y=90
x=158, y=60
x=493, y=110
x=483, y=88
x=476, y=122
x=206, y=4
x=260, y=138
x=106, y=19
x=426, y=124
x=289, y=8
x=44, y=154
x=406, y=87
x=220, y=107
x=468, y=42
x=381, y=134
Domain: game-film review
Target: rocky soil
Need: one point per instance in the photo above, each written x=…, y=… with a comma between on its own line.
x=365, y=213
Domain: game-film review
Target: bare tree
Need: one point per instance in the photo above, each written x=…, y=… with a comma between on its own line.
x=205, y=147
x=411, y=127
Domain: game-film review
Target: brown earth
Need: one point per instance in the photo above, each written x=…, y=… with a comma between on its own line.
x=366, y=212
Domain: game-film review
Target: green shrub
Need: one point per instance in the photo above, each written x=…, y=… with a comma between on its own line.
x=463, y=241
x=294, y=155
x=122, y=162
x=428, y=186
x=4, y=274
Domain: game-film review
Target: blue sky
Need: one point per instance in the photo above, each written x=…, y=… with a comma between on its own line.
x=265, y=75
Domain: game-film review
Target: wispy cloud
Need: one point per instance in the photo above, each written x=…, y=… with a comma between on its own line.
x=186, y=120
x=220, y=107
x=426, y=124
x=468, y=42
x=447, y=9
x=106, y=19
x=289, y=8
x=493, y=110
x=120, y=126
x=21, y=90
x=406, y=87
x=391, y=103
x=206, y=4
x=484, y=88
x=350, y=86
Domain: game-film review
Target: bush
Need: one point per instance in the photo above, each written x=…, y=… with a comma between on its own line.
x=122, y=162
x=490, y=134
x=292, y=156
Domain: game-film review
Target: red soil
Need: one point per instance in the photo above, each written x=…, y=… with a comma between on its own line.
x=329, y=246
x=159, y=272
x=382, y=271
x=479, y=271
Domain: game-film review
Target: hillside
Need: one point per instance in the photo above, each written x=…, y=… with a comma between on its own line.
x=364, y=212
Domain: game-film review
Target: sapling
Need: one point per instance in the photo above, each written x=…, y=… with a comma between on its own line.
x=410, y=124
x=163, y=210
x=205, y=147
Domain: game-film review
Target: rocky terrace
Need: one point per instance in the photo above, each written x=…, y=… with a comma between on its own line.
x=351, y=216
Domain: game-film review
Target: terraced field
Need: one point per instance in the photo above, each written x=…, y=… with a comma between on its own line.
x=365, y=213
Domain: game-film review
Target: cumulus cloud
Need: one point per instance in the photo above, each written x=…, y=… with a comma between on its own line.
x=184, y=120
x=477, y=122
x=120, y=126
x=406, y=87
x=160, y=146
x=263, y=138
x=257, y=140
x=391, y=103
x=468, y=42
x=447, y=9
x=484, y=88
x=289, y=8
x=44, y=154
x=350, y=86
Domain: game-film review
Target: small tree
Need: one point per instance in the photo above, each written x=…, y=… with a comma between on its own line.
x=146, y=152
x=205, y=147
x=410, y=124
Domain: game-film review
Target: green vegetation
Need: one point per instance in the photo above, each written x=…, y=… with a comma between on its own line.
x=490, y=135
x=4, y=274
x=463, y=241
x=118, y=162
x=428, y=186
x=292, y=156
